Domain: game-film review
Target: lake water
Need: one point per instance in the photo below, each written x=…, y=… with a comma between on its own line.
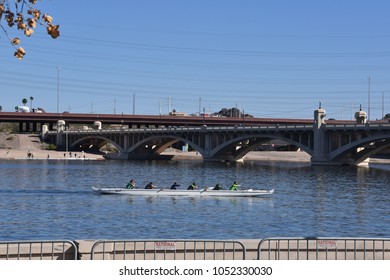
x=49, y=200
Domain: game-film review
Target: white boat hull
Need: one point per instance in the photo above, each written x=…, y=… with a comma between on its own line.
x=169, y=192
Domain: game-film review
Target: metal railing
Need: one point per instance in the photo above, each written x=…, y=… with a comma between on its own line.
x=189, y=129
x=297, y=248
x=318, y=248
x=38, y=250
x=168, y=250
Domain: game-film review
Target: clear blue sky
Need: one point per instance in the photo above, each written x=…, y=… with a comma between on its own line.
x=268, y=58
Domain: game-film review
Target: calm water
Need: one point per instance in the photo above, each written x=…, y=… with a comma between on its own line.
x=53, y=200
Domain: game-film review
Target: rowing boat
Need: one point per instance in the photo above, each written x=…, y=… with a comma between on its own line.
x=170, y=192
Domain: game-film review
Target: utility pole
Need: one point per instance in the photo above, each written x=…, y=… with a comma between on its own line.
x=58, y=89
x=200, y=105
x=134, y=103
x=383, y=104
x=169, y=104
x=369, y=98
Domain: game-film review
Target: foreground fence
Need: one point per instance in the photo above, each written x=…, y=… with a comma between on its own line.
x=168, y=250
x=324, y=249
x=312, y=248
x=38, y=250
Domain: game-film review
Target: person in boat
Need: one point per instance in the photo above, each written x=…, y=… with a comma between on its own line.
x=174, y=186
x=150, y=186
x=193, y=186
x=234, y=187
x=130, y=185
x=217, y=187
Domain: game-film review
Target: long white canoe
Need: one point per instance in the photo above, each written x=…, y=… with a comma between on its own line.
x=169, y=192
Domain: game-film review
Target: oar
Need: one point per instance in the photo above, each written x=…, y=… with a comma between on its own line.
x=205, y=189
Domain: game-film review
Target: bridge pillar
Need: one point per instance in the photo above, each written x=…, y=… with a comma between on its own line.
x=320, y=147
x=324, y=142
x=207, y=146
x=361, y=116
x=60, y=139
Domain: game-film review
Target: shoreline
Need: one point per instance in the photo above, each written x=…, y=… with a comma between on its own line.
x=30, y=154
x=40, y=154
x=260, y=156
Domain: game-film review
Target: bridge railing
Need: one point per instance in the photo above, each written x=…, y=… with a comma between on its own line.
x=189, y=129
x=366, y=126
x=168, y=250
x=314, y=248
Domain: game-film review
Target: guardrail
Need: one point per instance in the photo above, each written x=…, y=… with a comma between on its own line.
x=296, y=248
x=318, y=248
x=168, y=250
x=38, y=250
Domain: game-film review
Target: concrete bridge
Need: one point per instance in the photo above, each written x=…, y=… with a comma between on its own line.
x=327, y=144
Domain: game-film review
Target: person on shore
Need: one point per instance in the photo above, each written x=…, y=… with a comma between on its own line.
x=150, y=186
x=234, y=187
x=174, y=186
x=193, y=186
x=131, y=185
x=217, y=187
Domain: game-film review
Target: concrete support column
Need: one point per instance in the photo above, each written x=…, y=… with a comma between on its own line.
x=126, y=142
x=320, y=149
x=207, y=145
x=60, y=134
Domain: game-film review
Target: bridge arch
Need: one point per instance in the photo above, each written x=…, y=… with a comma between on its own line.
x=369, y=146
x=155, y=145
x=99, y=141
x=236, y=148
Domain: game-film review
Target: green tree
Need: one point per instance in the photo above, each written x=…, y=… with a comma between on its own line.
x=24, y=101
x=23, y=15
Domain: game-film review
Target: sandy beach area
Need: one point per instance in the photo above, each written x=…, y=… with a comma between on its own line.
x=28, y=146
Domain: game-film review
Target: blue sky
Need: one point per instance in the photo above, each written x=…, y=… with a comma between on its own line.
x=268, y=58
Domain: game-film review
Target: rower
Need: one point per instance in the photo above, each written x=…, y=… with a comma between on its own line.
x=150, y=186
x=130, y=185
x=174, y=186
x=217, y=187
x=193, y=186
x=234, y=187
